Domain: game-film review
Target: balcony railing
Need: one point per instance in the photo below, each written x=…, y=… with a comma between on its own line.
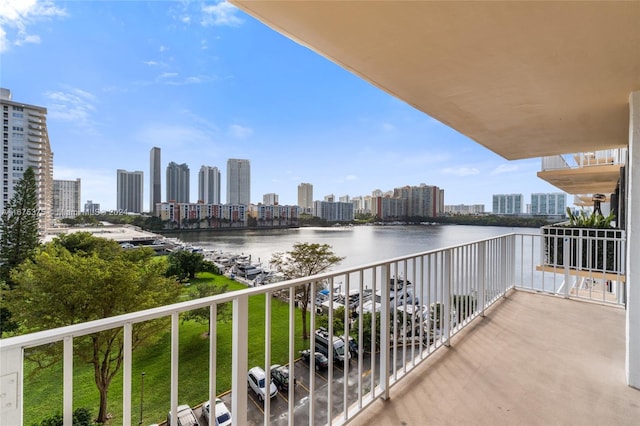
x=448, y=289
x=617, y=156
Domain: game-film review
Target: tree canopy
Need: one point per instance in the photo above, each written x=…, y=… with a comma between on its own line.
x=19, y=239
x=303, y=260
x=80, y=278
x=184, y=264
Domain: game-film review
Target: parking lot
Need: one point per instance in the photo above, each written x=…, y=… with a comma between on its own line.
x=279, y=405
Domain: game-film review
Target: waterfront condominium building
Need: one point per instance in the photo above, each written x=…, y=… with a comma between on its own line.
x=551, y=204
x=209, y=185
x=238, y=182
x=177, y=182
x=305, y=197
x=333, y=211
x=270, y=199
x=155, y=185
x=130, y=191
x=422, y=200
x=66, y=198
x=25, y=143
x=507, y=204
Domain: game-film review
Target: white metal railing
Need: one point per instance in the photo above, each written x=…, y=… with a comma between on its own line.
x=585, y=159
x=449, y=288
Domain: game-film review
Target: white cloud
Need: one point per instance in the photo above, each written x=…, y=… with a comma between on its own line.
x=220, y=14
x=240, y=132
x=388, y=127
x=72, y=104
x=17, y=15
x=461, y=171
x=504, y=168
x=351, y=177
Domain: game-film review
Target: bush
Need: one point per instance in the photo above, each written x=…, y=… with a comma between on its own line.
x=81, y=417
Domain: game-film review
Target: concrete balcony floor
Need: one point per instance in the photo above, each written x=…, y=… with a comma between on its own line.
x=532, y=360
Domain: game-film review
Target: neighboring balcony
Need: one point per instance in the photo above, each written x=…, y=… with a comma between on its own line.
x=507, y=334
x=585, y=173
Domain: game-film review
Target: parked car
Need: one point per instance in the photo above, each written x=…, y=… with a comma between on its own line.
x=280, y=376
x=222, y=413
x=186, y=416
x=322, y=362
x=258, y=383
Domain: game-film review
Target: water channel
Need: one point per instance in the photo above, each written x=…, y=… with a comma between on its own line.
x=358, y=244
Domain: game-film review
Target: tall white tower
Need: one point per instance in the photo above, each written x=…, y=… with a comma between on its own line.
x=130, y=191
x=155, y=186
x=26, y=144
x=177, y=183
x=238, y=182
x=209, y=185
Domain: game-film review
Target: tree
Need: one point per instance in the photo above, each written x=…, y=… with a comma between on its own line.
x=305, y=259
x=202, y=315
x=185, y=264
x=19, y=228
x=101, y=282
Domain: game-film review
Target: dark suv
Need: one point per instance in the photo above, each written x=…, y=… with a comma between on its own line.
x=280, y=376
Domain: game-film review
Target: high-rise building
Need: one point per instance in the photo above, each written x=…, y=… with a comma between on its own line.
x=507, y=204
x=177, y=183
x=270, y=199
x=26, y=144
x=155, y=185
x=421, y=201
x=91, y=208
x=130, y=191
x=66, y=198
x=238, y=182
x=552, y=204
x=209, y=185
x=305, y=196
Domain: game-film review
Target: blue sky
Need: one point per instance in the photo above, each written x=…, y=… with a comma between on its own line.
x=205, y=82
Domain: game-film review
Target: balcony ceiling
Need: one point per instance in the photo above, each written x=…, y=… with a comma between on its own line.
x=601, y=179
x=524, y=79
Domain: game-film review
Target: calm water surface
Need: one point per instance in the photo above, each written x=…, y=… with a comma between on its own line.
x=359, y=244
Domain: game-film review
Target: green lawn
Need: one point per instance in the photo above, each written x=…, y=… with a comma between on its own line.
x=43, y=388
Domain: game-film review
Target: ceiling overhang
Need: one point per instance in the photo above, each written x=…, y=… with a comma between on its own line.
x=601, y=179
x=524, y=79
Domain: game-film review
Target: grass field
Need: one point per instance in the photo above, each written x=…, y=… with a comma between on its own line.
x=43, y=387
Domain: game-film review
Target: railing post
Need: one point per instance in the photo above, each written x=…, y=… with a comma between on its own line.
x=213, y=333
x=126, y=374
x=482, y=275
x=385, y=317
x=175, y=351
x=239, y=365
x=267, y=356
x=11, y=374
x=446, y=298
x=67, y=392
x=566, y=250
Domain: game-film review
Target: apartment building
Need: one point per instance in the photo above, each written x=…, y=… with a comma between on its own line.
x=177, y=182
x=238, y=181
x=155, y=185
x=130, y=191
x=507, y=204
x=66, y=198
x=209, y=185
x=25, y=141
x=305, y=197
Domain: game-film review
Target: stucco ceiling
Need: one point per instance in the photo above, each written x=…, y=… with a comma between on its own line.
x=524, y=79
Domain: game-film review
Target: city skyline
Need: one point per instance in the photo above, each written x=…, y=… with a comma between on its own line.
x=206, y=83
